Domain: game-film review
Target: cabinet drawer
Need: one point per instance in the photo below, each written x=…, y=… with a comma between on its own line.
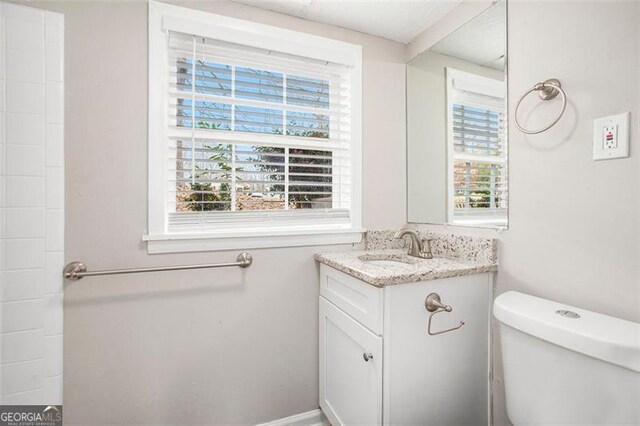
x=358, y=299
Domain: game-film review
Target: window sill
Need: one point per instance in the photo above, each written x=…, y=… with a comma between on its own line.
x=228, y=240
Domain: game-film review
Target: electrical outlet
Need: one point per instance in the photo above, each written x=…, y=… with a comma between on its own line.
x=611, y=137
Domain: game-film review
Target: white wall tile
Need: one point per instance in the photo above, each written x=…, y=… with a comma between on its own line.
x=23, y=315
x=24, y=191
x=24, y=66
x=53, y=355
x=24, y=160
x=54, y=193
x=54, y=56
x=31, y=178
x=24, y=223
x=25, y=97
x=53, y=390
x=24, y=346
x=2, y=64
x=25, y=36
x=24, y=254
x=3, y=201
x=2, y=97
x=2, y=259
x=2, y=126
x=26, y=129
x=53, y=315
x=2, y=11
x=32, y=397
x=22, y=284
x=54, y=102
x=54, y=263
x=54, y=220
x=54, y=20
x=22, y=376
x=54, y=145
x=24, y=13
x=1, y=308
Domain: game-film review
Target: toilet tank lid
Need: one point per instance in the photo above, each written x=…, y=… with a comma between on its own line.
x=600, y=336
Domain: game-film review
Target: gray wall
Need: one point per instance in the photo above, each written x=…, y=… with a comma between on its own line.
x=207, y=347
x=574, y=229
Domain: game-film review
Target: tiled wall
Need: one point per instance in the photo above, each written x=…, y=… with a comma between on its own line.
x=31, y=204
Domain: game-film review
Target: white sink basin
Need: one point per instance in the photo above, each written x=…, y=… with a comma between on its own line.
x=387, y=260
x=382, y=262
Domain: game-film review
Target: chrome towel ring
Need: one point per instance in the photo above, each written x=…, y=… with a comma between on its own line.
x=547, y=90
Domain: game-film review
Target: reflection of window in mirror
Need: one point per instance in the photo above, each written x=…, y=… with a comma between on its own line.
x=476, y=150
x=456, y=126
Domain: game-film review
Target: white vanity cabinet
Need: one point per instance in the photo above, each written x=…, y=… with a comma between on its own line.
x=378, y=364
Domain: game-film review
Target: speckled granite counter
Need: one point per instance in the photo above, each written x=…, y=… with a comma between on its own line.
x=454, y=256
x=379, y=275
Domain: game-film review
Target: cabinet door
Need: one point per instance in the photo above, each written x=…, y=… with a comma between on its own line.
x=350, y=385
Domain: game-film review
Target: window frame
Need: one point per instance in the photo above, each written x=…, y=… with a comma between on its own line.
x=484, y=86
x=164, y=17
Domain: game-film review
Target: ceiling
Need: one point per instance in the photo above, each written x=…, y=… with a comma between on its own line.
x=481, y=40
x=398, y=20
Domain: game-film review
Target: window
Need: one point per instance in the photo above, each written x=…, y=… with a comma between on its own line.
x=477, y=150
x=254, y=137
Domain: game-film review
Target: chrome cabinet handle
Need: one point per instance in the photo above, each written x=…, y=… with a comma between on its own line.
x=367, y=356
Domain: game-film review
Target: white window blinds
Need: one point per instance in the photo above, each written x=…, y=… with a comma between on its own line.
x=477, y=151
x=254, y=136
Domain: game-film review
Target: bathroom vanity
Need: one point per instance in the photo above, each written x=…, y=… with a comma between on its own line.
x=379, y=364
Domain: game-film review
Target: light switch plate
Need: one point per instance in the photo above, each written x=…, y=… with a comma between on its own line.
x=611, y=137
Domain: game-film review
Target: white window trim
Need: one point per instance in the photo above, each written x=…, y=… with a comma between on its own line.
x=478, y=84
x=163, y=17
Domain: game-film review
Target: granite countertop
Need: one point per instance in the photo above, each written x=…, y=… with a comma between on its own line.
x=362, y=265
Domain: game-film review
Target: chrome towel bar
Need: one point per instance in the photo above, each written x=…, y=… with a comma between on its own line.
x=77, y=270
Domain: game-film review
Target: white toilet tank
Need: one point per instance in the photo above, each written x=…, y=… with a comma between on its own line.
x=567, y=369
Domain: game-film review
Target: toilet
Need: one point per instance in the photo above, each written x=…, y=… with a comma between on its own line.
x=567, y=366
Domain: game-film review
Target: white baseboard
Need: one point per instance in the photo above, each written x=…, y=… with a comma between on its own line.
x=310, y=418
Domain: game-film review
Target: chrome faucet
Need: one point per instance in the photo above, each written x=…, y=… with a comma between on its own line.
x=418, y=248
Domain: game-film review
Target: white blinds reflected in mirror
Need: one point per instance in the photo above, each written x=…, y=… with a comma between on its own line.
x=477, y=150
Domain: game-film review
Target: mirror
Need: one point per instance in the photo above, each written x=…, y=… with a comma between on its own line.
x=457, y=166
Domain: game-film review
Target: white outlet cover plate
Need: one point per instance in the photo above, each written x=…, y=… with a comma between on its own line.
x=621, y=123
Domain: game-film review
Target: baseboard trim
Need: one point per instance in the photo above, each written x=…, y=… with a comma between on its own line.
x=310, y=418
